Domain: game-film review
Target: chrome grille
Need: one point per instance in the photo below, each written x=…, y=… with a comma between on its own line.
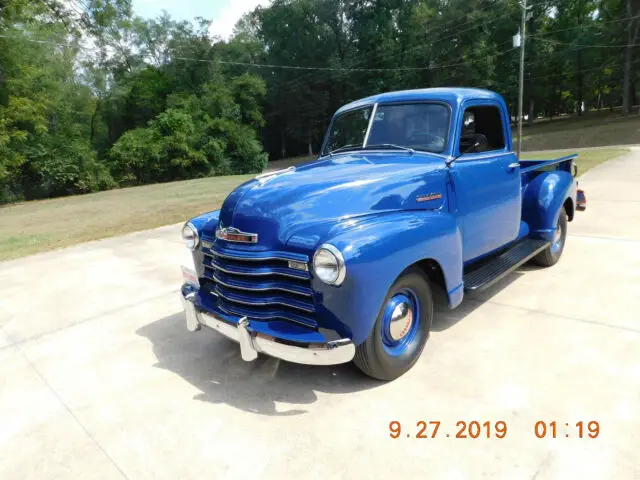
x=259, y=285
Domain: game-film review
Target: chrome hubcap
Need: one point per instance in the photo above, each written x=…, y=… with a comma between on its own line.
x=401, y=321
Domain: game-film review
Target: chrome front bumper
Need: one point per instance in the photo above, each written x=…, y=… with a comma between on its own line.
x=252, y=343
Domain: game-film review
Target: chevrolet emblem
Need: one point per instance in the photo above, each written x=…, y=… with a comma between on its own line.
x=231, y=234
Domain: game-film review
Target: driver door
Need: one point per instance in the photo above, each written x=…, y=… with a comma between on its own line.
x=487, y=181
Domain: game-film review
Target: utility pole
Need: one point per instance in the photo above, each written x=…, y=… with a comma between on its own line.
x=523, y=35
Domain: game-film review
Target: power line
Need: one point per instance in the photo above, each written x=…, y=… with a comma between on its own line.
x=555, y=42
x=324, y=68
x=438, y=67
x=32, y=40
x=373, y=56
x=594, y=24
x=340, y=69
x=601, y=67
x=438, y=28
x=305, y=68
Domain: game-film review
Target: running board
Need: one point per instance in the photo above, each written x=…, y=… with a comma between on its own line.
x=502, y=265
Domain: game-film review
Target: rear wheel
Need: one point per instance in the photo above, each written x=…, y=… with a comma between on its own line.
x=401, y=329
x=552, y=253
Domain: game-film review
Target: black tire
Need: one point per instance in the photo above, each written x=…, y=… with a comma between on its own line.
x=550, y=255
x=372, y=357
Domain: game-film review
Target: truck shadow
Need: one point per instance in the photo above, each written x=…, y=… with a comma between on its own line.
x=445, y=318
x=212, y=364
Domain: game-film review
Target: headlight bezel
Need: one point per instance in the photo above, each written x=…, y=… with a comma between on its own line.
x=340, y=264
x=189, y=227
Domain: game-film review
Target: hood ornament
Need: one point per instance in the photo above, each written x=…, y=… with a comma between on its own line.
x=265, y=177
x=231, y=234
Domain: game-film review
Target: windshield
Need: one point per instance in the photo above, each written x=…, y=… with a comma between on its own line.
x=420, y=126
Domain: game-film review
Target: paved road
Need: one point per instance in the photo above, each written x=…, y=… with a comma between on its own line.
x=100, y=379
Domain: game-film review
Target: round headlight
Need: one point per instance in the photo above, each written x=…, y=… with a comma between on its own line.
x=190, y=236
x=328, y=264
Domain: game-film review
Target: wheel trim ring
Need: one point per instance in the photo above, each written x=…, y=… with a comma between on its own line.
x=556, y=244
x=395, y=344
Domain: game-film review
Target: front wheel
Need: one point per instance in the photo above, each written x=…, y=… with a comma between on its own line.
x=550, y=255
x=401, y=329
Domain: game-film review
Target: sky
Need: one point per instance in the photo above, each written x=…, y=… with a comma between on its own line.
x=223, y=13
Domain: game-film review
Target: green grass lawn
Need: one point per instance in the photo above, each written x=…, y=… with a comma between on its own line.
x=587, y=159
x=42, y=225
x=31, y=227
x=592, y=130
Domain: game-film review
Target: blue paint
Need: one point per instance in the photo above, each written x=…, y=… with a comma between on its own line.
x=366, y=204
x=544, y=196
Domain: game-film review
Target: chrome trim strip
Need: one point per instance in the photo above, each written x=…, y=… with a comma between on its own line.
x=445, y=157
x=264, y=303
x=464, y=158
x=252, y=343
x=366, y=152
x=264, y=175
x=368, y=132
x=271, y=317
x=254, y=274
x=280, y=289
x=216, y=253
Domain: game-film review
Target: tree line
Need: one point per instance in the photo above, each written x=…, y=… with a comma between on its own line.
x=93, y=97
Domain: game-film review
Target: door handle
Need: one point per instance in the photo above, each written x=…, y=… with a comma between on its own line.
x=514, y=165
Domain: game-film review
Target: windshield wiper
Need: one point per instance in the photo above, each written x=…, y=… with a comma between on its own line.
x=346, y=147
x=392, y=145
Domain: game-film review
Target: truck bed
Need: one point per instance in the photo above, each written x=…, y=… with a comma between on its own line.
x=562, y=163
x=530, y=169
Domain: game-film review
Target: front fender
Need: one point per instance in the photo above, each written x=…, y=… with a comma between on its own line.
x=377, y=250
x=207, y=220
x=543, y=198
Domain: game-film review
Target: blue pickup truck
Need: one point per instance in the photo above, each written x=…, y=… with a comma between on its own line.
x=338, y=260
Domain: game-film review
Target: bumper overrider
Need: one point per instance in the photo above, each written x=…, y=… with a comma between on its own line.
x=253, y=342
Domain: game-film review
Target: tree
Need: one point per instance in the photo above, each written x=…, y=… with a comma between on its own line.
x=632, y=27
x=97, y=97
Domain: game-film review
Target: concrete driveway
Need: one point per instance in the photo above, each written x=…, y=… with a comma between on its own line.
x=100, y=379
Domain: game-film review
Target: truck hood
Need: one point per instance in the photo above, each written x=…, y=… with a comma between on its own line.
x=316, y=196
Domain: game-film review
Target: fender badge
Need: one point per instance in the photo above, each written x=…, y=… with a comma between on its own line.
x=429, y=196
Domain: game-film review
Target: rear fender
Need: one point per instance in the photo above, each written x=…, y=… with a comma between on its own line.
x=543, y=198
x=376, y=251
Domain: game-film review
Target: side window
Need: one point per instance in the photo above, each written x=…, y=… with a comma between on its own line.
x=482, y=125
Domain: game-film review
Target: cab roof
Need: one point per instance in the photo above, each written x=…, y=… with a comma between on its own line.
x=452, y=96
